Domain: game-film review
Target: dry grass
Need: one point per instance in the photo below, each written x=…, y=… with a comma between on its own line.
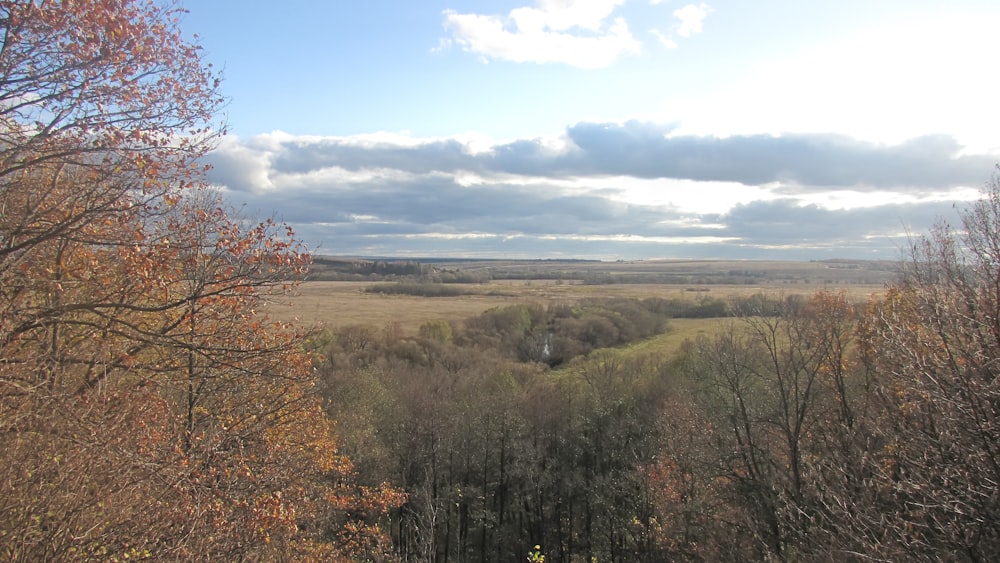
x=343, y=303
x=346, y=303
x=338, y=303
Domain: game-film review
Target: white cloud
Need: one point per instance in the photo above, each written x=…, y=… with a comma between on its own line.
x=691, y=18
x=689, y=22
x=573, y=32
x=246, y=165
x=664, y=39
x=563, y=15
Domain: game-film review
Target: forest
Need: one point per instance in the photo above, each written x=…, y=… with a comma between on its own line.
x=801, y=428
x=150, y=408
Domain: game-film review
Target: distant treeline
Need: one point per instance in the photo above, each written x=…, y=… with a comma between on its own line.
x=705, y=307
x=332, y=269
x=590, y=273
x=417, y=289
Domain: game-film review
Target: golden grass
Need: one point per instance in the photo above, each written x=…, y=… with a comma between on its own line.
x=346, y=303
x=678, y=331
x=335, y=304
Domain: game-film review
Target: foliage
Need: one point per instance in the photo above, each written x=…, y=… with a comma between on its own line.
x=835, y=431
x=783, y=392
x=562, y=332
x=325, y=268
x=935, y=341
x=418, y=289
x=493, y=450
x=147, y=408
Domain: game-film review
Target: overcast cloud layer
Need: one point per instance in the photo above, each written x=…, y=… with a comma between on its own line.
x=602, y=190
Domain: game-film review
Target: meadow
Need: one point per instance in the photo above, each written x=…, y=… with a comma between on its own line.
x=323, y=301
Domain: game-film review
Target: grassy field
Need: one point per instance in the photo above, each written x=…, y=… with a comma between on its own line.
x=338, y=303
x=771, y=272
x=346, y=303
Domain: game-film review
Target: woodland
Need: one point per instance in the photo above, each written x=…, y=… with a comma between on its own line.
x=150, y=408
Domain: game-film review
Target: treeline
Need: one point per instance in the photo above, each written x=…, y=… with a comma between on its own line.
x=407, y=271
x=803, y=428
x=417, y=289
x=680, y=308
x=414, y=271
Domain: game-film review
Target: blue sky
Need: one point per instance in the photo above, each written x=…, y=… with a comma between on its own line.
x=605, y=128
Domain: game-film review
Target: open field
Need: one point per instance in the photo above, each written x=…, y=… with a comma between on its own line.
x=829, y=272
x=338, y=303
x=345, y=303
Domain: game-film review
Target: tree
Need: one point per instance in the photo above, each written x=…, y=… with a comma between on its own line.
x=147, y=405
x=934, y=342
x=787, y=400
x=107, y=91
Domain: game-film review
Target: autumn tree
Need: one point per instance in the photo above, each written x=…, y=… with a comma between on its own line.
x=934, y=342
x=786, y=398
x=147, y=406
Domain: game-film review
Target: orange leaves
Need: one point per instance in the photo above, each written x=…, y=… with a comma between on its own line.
x=666, y=481
x=117, y=79
x=131, y=348
x=369, y=502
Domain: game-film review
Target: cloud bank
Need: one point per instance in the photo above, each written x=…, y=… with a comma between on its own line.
x=601, y=190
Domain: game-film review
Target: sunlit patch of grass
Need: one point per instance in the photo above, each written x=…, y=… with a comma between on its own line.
x=678, y=331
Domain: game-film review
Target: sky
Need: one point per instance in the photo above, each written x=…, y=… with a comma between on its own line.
x=605, y=129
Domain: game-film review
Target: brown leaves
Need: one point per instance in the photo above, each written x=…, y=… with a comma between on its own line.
x=145, y=407
x=113, y=79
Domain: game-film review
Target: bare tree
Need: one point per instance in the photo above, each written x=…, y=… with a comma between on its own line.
x=935, y=342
